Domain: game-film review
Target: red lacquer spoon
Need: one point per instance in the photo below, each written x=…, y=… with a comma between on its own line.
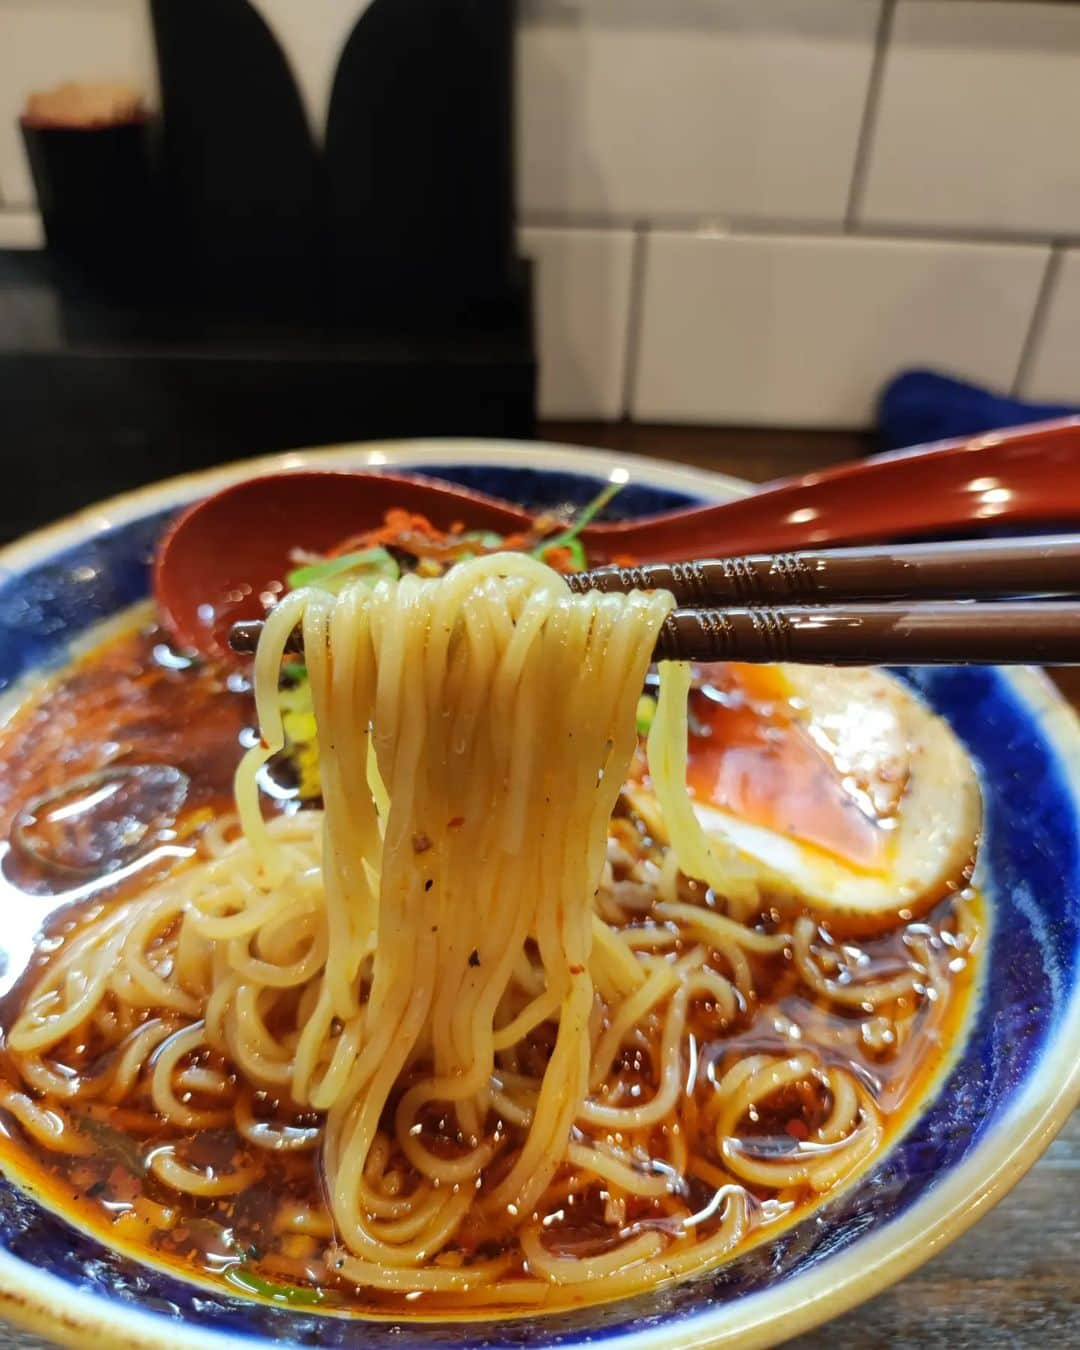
x=224, y=558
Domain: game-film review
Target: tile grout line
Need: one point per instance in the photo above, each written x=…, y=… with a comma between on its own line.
x=861, y=167
x=1039, y=315
x=795, y=227
x=634, y=317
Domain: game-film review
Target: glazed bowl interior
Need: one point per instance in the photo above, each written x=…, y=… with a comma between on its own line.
x=1008, y=1088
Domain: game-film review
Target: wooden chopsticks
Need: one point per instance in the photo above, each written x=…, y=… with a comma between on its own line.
x=1044, y=565
x=930, y=605
x=906, y=633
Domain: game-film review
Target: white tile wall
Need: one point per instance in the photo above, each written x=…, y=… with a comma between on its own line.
x=668, y=108
x=583, y=310
x=43, y=42
x=979, y=118
x=312, y=34
x=21, y=229
x=804, y=331
x=1053, y=371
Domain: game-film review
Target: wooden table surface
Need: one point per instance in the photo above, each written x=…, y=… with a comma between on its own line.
x=1014, y=1279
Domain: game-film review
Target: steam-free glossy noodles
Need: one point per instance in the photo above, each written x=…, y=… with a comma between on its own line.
x=508, y=1019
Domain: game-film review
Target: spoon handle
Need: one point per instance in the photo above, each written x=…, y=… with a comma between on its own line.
x=924, y=633
x=1043, y=565
x=1026, y=476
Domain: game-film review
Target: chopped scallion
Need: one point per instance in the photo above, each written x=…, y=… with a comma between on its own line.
x=488, y=538
x=373, y=563
x=296, y=1295
x=112, y=1141
x=569, y=537
x=646, y=711
x=576, y=549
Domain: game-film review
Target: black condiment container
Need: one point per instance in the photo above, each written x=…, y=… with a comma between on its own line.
x=95, y=190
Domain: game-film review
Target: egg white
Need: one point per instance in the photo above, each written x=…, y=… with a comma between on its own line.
x=904, y=766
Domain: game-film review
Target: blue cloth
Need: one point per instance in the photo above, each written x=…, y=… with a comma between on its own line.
x=921, y=406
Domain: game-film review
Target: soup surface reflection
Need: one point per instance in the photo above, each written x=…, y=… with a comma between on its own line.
x=113, y=776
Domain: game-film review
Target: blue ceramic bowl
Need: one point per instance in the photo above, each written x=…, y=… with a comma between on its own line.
x=1006, y=1092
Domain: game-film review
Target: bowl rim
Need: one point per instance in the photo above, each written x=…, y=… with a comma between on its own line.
x=43, y=1303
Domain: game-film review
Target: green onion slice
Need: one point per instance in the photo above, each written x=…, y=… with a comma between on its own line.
x=367, y=564
x=569, y=537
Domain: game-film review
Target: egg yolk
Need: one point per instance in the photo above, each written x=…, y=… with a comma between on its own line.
x=750, y=753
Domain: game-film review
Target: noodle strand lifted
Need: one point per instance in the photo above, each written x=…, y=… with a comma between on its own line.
x=441, y=982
